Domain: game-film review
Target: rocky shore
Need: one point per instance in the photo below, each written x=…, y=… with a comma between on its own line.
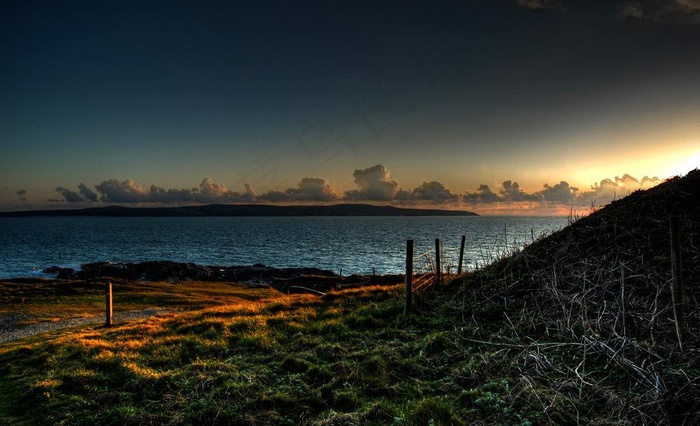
x=279, y=278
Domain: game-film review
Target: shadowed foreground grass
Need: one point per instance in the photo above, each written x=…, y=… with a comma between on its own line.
x=347, y=358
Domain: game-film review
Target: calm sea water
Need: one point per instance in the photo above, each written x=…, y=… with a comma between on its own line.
x=355, y=244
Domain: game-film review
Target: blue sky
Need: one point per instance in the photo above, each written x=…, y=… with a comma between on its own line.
x=443, y=103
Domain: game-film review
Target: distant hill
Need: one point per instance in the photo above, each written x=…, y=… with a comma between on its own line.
x=242, y=210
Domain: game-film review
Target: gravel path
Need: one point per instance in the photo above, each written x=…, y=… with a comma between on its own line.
x=9, y=330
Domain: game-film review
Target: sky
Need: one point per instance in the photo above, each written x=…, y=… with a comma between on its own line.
x=511, y=106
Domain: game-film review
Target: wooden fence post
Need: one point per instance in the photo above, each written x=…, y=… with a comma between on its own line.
x=409, y=277
x=461, y=255
x=438, y=272
x=108, y=300
x=677, y=280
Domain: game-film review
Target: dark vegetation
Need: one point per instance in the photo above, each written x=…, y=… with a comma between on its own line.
x=585, y=316
x=578, y=328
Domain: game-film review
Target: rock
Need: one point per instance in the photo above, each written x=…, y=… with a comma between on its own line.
x=177, y=272
x=61, y=273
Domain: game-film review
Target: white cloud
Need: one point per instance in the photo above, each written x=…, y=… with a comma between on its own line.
x=433, y=191
x=561, y=192
x=312, y=189
x=374, y=183
x=127, y=191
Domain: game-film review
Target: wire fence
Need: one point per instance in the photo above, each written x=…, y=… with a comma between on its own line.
x=431, y=267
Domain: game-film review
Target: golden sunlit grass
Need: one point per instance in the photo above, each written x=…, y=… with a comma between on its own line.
x=249, y=362
x=41, y=300
x=50, y=301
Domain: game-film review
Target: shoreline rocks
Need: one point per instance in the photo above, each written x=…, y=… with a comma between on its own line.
x=257, y=274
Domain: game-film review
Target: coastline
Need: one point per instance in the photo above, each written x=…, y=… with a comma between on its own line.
x=242, y=210
x=178, y=272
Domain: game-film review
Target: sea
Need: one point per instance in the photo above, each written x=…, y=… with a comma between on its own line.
x=345, y=245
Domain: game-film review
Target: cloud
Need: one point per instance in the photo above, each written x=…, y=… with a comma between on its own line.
x=127, y=191
x=84, y=194
x=249, y=191
x=608, y=189
x=673, y=11
x=213, y=192
x=693, y=5
x=273, y=197
x=69, y=195
x=87, y=193
x=541, y=5
x=510, y=191
x=374, y=183
x=432, y=191
x=170, y=196
x=483, y=194
x=689, y=11
x=561, y=192
x=312, y=189
x=208, y=191
x=633, y=11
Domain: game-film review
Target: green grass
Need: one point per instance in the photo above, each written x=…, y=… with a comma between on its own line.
x=349, y=358
x=42, y=300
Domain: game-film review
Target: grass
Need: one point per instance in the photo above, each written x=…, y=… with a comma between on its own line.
x=347, y=358
x=47, y=300
x=351, y=358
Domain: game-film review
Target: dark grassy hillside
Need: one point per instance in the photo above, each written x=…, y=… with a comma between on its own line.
x=590, y=311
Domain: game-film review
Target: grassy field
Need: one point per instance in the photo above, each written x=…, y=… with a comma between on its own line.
x=46, y=300
x=346, y=358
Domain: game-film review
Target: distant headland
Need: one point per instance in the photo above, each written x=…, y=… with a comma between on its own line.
x=242, y=210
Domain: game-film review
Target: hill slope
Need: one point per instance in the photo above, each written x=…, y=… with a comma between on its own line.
x=591, y=306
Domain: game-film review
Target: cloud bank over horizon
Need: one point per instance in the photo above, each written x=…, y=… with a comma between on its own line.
x=374, y=184
x=669, y=11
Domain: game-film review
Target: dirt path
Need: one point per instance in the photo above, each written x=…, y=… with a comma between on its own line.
x=9, y=330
